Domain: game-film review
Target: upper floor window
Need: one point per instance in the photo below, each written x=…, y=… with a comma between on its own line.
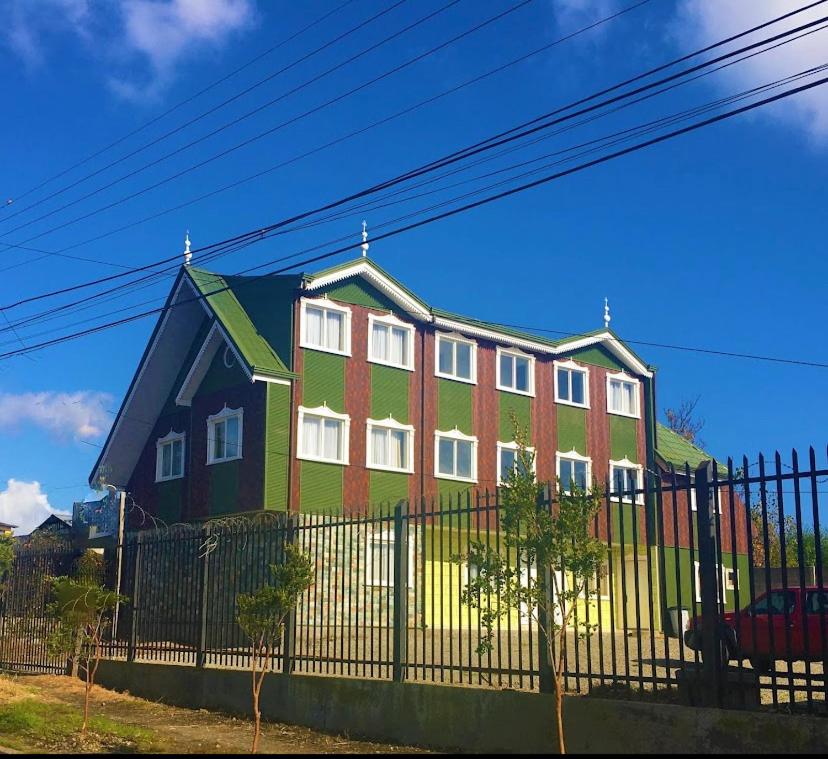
x=515, y=371
x=169, y=458
x=323, y=435
x=455, y=456
x=622, y=395
x=456, y=358
x=508, y=459
x=571, y=384
x=224, y=435
x=325, y=326
x=626, y=477
x=390, y=445
x=390, y=341
x=573, y=470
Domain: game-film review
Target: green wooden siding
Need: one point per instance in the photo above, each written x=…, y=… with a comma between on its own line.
x=623, y=438
x=170, y=495
x=219, y=377
x=454, y=406
x=358, y=293
x=571, y=424
x=388, y=487
x=323, y=380
x=389, y=393
x=224, y=487
x=277, y=447
x=681, y=556
x=522, y=406
x=321, y=486
x=597, y=355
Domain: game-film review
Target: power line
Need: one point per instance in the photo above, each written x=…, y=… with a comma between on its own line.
x=182, y=103
x=462, y=209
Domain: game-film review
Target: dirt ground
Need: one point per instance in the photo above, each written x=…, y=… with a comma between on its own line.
x=176, y=730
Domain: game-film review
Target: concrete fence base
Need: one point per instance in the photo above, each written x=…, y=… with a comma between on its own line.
x=470, y=719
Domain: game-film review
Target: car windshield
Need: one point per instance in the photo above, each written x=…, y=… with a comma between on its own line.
x=776, y=602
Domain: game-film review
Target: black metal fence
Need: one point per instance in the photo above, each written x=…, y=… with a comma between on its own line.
x=680, y=591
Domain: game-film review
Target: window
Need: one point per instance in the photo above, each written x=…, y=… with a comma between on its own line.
x=774, y=603
x=455, y=456
x=816, y=602
x=731, y=579
x=697, y=572
x=625, y=478
x=456, y=358
x=323, y=435
x=169, y=460
x=571, y=384
x=390, y=341
x=507, y=460
x=224, y=435
x=390, y=445
x=379, y=569
x=515, y=371
x=574, y=469
x=622, y=395
x=326, y=326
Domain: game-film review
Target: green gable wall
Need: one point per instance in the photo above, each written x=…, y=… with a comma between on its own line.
x=358, y=292
x=219, y=377
x=623, y=438
x=323, y=380
x=454, y=406
x=522, y=407
x=224, y=487
x=597, y=355
x=571, y=424
x=277, y=446
x=321, y=487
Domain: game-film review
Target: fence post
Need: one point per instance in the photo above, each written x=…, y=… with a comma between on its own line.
x=288, y=641
x=400, y=591
x=706, y=531
x=203, y=594
x=546, y=678
x=135, y=600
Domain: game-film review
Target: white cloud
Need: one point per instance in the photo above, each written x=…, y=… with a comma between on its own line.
x=79, y=415
x=27, y=22
x=700, y=22
x=24, y=504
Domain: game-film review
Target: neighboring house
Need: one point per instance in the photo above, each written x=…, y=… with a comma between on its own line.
x=7, y=529
x=342, y=389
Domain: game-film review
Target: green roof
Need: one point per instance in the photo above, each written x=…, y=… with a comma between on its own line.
x=678, y=451
x=254, y=348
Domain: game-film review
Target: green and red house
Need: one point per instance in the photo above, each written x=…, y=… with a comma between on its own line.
x=337, y=390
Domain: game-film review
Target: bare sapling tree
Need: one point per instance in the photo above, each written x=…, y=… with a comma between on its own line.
x=684, y=421
x=83, y=608
x=555, y=539
x=262, y=616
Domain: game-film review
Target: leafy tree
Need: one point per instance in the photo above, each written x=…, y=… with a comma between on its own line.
x=557, y=541
x=262, y=616
x=6, y=561
x=683, y=421
x=82, y=607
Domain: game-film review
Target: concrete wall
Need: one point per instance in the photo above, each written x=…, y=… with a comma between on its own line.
x=469, y=719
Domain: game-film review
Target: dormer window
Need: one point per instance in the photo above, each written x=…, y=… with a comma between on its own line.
x=169, y=458
x=224, y=435
x=325, y=326
x=390, y=341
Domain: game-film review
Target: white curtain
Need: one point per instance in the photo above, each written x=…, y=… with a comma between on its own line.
x=313, y=325
x=332, y=439
x=398, y=346
x=379, y=342
x=398, y=456
x=629, y=405
x=334, y=331
x=310, y=436
x=615, y=396
x=379, y=446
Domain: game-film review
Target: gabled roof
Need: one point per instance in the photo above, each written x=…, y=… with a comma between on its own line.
x=673, y=449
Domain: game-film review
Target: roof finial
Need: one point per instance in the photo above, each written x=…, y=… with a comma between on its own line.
x=607, y=317
x=364, y=239
x=187, y=255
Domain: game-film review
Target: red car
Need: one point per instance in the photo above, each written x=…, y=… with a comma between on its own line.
x=791, y=625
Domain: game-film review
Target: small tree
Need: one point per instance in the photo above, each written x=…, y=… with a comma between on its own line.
x=567, y=558
x=683, y=421
x=262, y=616
x=6, y=561
x=83, y=609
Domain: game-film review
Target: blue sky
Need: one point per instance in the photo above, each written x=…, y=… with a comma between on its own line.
x=713, y=240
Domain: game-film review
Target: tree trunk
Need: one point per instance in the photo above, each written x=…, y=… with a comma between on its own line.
x=87, y=689
x=559, y=716
x=256, y=713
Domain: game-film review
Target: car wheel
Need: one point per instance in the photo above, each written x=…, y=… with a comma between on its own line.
x=761, y=664
x=724, y=654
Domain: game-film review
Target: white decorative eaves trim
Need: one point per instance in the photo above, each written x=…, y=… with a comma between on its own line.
x=224, y=413
x=455, y=434
x=324, y=411
x=626, y=464
x=169, y=437
x=391, y=424
x=492, y=335
x=572, y=455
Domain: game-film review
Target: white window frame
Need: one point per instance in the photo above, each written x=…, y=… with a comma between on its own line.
x=328, y=305
x=387, y=537
x=694, y=506
x=512, y=446
x=215, y=419
x=625, y=463
x=455, y=338
x=390, y=321
x=573, y=455
x=571, y=366
x=168, y=439
x=323, y=412
x=697, y=578
x=515, y=353
x=455, y=435
x=624, y=377
x=390, y=424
